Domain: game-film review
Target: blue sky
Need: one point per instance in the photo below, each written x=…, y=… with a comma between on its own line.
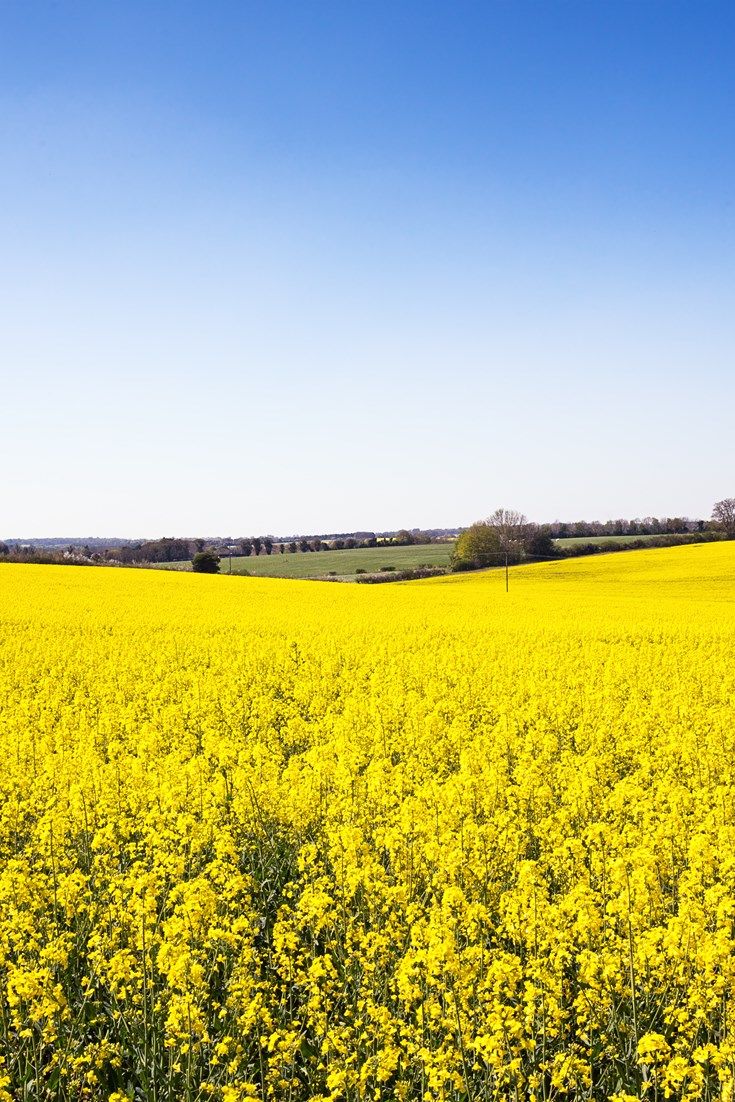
x=284, y=267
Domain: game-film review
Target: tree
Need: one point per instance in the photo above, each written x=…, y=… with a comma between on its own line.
x=293, y=547
x=541, y=546
x=205, y=562
x=511, y=526
x=246, y=547
x=257, y=544
x=403, y=538
x=268, y=545
x=724, y=513
x=479, y=545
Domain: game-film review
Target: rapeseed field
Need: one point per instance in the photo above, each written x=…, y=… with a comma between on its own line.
x=293, y=841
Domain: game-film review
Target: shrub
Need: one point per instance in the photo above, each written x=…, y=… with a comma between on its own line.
x=409, y=575
x=205, y=562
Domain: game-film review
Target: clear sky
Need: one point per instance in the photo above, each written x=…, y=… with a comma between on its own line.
x=319, y=266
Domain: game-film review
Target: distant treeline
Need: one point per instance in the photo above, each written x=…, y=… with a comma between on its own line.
x=85, y=554
x=647, y=526
x=171, y=549
x=62, y=543
x=27, y=553
x=670, y=539
x=150, y=551
x=180, y=550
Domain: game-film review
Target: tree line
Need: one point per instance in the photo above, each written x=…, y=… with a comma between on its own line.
x=181, y=550
x=504, y=532
x=507, y=535
x=646, y=526
x=173, y=549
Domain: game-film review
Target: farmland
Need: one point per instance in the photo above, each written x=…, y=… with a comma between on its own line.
x=343, y=564
x=287, y=841
x=346, y=564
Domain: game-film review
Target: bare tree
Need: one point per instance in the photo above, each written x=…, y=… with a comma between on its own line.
x=512, y=528
x=724, y=513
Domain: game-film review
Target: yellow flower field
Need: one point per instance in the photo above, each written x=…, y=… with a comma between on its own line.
x=292, y=840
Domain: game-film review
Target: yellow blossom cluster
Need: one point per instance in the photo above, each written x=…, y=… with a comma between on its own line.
x=295, y=841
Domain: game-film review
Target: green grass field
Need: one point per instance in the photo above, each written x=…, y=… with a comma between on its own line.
x=321, y=564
